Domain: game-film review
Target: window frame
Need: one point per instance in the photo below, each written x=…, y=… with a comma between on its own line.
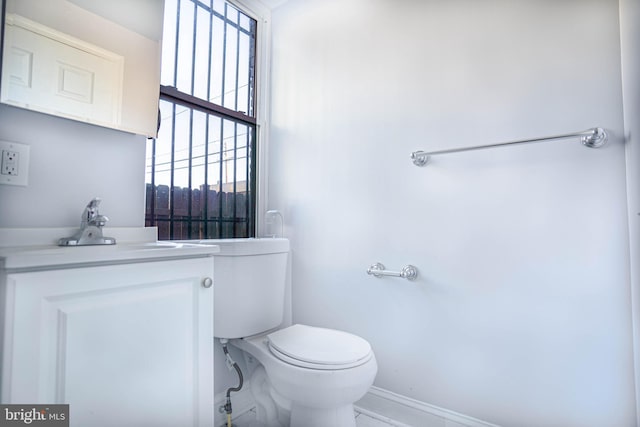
x=262, y=15
x=256, y=123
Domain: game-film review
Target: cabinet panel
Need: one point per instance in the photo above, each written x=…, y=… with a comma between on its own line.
x=125, y=95
x=123, y=345
x=51, y=72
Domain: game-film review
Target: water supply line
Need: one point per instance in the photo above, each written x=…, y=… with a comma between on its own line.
x=231, y=364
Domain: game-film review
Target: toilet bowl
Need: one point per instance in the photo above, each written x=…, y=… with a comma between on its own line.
x=322, y=372
x=313, y=375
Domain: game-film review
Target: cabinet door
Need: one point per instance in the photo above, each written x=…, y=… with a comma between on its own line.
x=123, y=345
x=53, y=73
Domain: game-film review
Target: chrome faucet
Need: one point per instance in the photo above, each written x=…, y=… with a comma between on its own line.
x=90, y=232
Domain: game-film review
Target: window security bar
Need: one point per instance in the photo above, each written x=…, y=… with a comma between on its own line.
x=592, y=138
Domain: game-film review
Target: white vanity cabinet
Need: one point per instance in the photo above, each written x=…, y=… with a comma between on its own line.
x=124, y=344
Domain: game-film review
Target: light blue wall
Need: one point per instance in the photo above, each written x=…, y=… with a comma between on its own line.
x=72, y=162
x=521, y=315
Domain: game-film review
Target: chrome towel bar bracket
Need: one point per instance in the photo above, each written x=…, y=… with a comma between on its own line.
x=592, y=138
x=408, y=272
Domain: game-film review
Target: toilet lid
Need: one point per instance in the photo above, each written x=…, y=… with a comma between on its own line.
x=319, y=348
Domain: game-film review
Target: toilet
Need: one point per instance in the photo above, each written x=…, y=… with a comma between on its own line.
x=311, y=374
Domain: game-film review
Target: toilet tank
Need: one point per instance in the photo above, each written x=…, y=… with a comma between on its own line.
x=249, y=286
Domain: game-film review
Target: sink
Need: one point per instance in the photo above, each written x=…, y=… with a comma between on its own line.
x=151, y=246
x=27, y=257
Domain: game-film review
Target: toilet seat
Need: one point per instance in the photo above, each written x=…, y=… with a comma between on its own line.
x=319, y=348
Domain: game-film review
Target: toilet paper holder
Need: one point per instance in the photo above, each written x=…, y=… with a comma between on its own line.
x=408, y=272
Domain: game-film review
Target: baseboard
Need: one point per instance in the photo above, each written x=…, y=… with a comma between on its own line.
x=403, y=411
x=242, y=402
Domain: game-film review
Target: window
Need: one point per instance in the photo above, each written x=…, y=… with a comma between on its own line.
x=201, y=169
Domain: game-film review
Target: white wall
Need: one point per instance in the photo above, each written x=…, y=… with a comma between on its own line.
x=521, y=315
x=630, y=49
x=72, y=162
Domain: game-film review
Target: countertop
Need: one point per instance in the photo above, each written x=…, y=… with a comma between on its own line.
x=36, y=249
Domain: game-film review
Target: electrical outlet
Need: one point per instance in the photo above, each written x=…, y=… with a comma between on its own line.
x=14, y=163
x=10, y=162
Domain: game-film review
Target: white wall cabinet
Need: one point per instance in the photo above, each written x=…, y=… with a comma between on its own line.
x=85, y=60
x=123, y=345
x=51, y=72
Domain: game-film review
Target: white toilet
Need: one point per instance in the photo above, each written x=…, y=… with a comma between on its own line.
x=315, y=374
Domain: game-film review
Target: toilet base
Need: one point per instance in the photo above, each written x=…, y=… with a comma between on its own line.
x=343, y=416
x=295, y=396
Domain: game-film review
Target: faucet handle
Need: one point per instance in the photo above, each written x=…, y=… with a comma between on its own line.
x=93, y=203
x=92, y=206
x=90, y=212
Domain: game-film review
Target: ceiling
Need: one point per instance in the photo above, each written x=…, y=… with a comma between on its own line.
x=272, y=4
